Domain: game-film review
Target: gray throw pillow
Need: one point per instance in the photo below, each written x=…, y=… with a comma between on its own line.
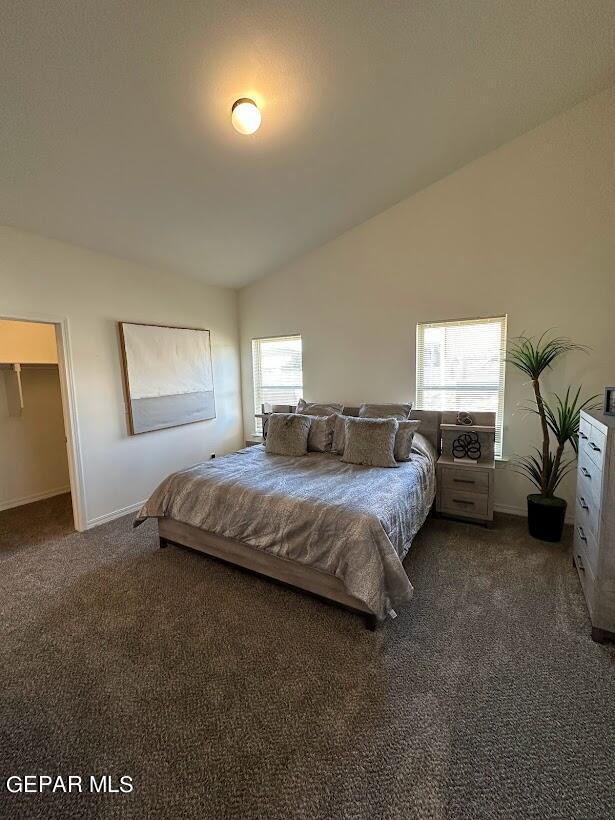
x=403, y=439
x=320, y=437
x=385, y=411
x=370, y=442
x=312, y=409
x=287, y=434
x=339, y=434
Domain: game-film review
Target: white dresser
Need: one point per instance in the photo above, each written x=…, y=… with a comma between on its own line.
x=594, y=522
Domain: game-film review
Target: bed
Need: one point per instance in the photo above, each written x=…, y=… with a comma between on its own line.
x=337, y=530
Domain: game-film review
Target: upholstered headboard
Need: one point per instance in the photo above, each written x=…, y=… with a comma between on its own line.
x=430, y=423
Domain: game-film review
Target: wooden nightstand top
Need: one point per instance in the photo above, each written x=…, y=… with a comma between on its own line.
x=468, y=428
x=446, y=461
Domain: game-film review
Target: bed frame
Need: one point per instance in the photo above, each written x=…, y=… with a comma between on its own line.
x=312, y=580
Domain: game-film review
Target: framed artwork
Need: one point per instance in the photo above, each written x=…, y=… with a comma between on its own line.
x=609, y=401
x=167, y=374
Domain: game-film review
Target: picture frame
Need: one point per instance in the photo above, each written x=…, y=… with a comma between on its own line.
x=609, y=401
x=168, y=375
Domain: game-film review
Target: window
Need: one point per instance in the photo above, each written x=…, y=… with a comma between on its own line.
x=278, y=372
x=460, y=366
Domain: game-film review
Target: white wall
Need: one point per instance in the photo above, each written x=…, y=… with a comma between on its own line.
x=527, y=230
x=40, y=276
x=33, y=461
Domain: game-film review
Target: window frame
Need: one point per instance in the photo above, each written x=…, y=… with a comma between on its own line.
x=501, y=393
x=257, y=408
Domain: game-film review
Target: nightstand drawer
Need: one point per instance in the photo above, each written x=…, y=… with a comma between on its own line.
x=472, y=480
x=462, y=502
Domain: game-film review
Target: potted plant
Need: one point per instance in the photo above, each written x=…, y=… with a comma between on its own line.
x=559, y=421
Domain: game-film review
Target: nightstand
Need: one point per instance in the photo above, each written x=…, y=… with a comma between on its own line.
x=465, y=490
x=465, y=487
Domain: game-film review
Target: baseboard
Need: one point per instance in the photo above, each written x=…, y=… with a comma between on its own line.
x=103, y=519
x=505, y=508
x=522, y=511
x=30, y=499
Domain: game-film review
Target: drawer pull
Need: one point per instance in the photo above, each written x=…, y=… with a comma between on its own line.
x=463, y=501
x=583, y=436
x=586, y=472
x=583, y=503
x=580, y=563
x=594, y=447
x=464, y=481
x=582, y=535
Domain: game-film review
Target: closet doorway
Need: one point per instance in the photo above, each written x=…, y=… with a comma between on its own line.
x=39, y=453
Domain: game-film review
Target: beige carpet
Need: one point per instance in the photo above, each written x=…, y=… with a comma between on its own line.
x=225, y=695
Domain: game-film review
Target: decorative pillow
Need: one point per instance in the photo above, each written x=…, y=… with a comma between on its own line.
x=320, y=437
x=370, y=442
x=339, y=434
x=287, y=434
x=326, y=409
x=403, y=439
x=385, y=411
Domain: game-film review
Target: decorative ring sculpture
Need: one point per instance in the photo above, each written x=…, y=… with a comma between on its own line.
x=467, y=445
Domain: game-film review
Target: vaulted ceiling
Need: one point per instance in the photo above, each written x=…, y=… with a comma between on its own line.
x=115, y=116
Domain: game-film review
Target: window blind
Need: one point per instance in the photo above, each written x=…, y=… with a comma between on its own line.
x=460, y=366
x=278, y=372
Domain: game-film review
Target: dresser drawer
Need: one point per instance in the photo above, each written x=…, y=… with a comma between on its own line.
x=472, y=480
x=583, y=539
x=464, y=503
x=587, y=514
x=584, y=431
x=584, y=569
x=589, y=478
x=595, y=447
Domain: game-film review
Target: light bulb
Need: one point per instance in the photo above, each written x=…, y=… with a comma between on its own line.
x=245, y=116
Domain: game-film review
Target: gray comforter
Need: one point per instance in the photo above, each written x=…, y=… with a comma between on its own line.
x=354, y=522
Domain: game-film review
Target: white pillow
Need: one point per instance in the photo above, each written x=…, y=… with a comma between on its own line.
x=320, y=437
x=287, y=434
x=314, y=409
x=370, y=442
x=385, y=411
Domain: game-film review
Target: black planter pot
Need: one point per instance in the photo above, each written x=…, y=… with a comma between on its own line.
x=545, y=517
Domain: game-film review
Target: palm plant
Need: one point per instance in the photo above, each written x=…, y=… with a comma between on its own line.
x=558, y=418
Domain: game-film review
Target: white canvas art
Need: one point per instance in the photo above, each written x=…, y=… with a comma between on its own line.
x=168, y=374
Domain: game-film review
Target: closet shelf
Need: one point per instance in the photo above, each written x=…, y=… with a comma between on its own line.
x=11, y=365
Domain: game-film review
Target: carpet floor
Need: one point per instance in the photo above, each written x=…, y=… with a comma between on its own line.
x=222, y=694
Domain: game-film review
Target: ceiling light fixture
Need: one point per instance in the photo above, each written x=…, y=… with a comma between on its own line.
x=245, y=116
